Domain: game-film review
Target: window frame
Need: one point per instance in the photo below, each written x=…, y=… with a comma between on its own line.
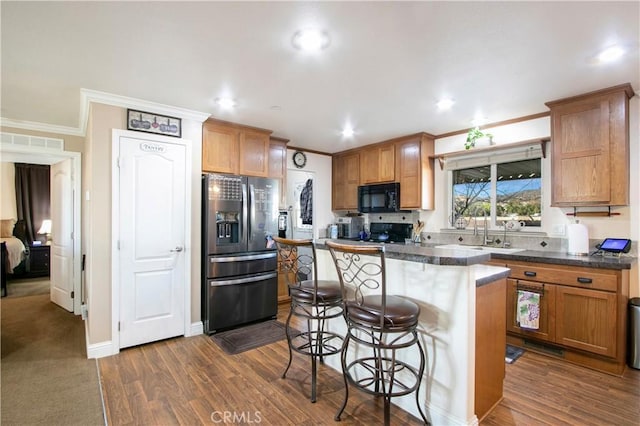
x=500, y=156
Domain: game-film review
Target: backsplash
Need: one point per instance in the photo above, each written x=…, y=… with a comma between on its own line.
x=528, y=241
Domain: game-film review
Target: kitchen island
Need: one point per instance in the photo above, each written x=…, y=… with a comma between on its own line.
x=462, y=327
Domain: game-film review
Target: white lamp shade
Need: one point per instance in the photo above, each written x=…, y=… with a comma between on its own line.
x=46, y=227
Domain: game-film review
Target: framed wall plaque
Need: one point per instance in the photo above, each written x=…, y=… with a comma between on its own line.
x=154, y=123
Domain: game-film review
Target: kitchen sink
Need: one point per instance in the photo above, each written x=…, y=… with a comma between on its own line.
x=489, y=249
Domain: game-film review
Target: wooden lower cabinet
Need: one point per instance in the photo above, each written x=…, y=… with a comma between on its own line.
x=547, y=323
x=489, y=368
x=582, y=313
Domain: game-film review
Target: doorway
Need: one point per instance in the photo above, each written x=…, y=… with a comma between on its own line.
x=68, y=211
x=300, y=185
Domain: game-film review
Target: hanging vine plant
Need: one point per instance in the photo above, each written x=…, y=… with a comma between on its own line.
x=473, y=135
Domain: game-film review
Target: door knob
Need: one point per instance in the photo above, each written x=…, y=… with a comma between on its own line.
x=177, y=249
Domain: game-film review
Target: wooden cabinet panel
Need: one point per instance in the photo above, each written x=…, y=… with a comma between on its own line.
x=220, y=149
x=586, y=320
x=235, y=149
x=415, y=172
x=254, y=153
x=345, y=181
x=590, y=159
x=377, y=164
x=278, y=166
x=546, y=330
x=572, y=276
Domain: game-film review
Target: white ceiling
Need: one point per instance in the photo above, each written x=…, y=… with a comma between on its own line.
x=387, y=65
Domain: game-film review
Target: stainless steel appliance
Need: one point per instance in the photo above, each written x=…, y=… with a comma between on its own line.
x=381, y=198
x=239, y=278
x=350, y=226
x=390, y=232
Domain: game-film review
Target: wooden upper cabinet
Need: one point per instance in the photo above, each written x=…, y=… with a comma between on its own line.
x=254, y=153
x=345, y=181
x=377, y=164
x=278, y=166
x=235, y=149
x=590, y=143
x=220, y=149
x=414, y=165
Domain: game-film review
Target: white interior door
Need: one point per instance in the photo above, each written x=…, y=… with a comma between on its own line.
x=152, y=197
x=62, y=220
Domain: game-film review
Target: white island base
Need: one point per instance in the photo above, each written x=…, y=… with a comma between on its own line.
x=455, y=311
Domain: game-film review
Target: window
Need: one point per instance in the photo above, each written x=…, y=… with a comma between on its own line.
x=499, y=192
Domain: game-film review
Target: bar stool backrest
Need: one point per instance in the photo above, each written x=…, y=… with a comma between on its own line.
x=298, y=263
x=361, y=270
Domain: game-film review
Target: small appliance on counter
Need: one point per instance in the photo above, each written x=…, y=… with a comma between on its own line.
x=350, y=226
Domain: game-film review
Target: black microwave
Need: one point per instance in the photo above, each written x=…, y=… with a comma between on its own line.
x=382, y=198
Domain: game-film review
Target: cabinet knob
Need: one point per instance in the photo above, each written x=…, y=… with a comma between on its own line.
x=177, y=249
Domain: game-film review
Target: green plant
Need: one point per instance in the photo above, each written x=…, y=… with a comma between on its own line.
x=473, y=135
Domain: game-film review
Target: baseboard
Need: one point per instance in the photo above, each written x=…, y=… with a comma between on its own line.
x=196, y=329
x=101, y=350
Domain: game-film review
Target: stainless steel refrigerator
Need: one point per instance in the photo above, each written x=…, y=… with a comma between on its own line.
x=239, y=273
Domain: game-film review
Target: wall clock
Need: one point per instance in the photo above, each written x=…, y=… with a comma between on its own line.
x=299, y=159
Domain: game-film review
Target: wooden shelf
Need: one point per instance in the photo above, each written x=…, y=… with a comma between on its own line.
x=442, y=158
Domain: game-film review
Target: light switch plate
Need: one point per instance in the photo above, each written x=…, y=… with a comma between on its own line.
x=558, y=229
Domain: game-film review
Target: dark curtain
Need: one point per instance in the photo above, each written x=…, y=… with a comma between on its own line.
x=33, y=199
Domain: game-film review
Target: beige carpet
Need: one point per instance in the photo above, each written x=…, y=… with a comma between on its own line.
x=46, y=376
x=28, y=287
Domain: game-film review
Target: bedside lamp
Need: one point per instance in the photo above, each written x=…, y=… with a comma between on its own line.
x=45, y=229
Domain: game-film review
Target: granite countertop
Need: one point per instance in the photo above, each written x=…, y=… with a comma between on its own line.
x=427, y=253
x=560, y=258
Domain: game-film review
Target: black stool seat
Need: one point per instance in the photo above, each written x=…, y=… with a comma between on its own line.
x=326, y=291
x=398, y=312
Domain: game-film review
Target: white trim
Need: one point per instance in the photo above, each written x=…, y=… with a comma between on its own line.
x=101, y=350
x=39, y=155
x=41, y=127
x=116, y=134
x=197, y=328
x=87, y=96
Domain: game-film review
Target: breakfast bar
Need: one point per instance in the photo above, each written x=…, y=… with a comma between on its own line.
x=462, y=326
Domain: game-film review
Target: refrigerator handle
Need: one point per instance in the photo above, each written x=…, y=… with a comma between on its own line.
x=245, y=222
x=252, y=208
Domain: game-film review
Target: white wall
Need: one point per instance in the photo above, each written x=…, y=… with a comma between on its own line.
x=321, y=165
x=8, y=191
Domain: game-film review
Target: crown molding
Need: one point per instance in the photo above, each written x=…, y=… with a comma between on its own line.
x=41, y=127
x=87, y=96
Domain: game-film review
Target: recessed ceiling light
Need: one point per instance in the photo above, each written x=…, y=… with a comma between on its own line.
x=611, y=54
x=310, y=40
x=445, y=103
x=226, y=103
x=347, y=132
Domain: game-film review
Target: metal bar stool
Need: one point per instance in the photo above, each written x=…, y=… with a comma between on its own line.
x=313, y=300
x=383, y=323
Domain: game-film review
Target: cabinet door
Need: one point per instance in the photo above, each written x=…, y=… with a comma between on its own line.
x=377, y=164
x=278, y=168
x=220, y=149
x=345, y=181
x=410, y=168
x=254, y=153
x=547, y=324
x=586, y=320
x=590, y=161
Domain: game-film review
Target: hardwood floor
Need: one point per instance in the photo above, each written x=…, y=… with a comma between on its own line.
x=192, y=381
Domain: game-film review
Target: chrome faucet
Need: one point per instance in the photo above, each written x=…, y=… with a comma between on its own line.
x=485, y=240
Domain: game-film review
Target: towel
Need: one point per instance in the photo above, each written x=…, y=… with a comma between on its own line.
x=529, y=309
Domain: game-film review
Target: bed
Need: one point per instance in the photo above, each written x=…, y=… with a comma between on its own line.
x=14, y=249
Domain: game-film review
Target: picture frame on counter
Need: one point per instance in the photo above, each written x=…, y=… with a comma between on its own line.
x=148, y=122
